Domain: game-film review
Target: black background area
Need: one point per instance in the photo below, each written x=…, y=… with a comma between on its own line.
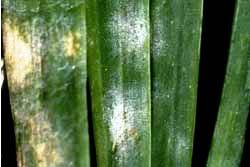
x=8, y=154
x=215, y=44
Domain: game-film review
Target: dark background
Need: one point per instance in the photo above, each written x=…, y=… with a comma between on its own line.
x=216, y=34
x=215, y=43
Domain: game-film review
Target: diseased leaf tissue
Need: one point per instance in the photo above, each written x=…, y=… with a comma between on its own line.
x=141, y=58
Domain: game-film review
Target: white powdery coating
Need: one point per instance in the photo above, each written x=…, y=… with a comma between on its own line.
x=120, y=125
x=130, y=34
x=132, y=31
x=159, y=38
x=117, y=122
x=182, y=146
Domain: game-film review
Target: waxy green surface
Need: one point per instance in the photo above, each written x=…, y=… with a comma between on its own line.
x=45, y=58
x=118, y=67
x=175, y=44
x=228, y=138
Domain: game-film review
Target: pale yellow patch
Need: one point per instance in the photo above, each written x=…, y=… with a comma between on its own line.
x=44, y=141
x=23, y=65
x=19, y=58
x=71, y=43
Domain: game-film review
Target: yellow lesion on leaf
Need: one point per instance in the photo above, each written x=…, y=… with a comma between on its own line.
x=114, y=146
x=44, y=141
x=71, y=43
x=19, y=58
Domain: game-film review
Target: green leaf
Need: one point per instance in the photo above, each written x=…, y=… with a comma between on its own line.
x=118, y=67
x=228, y=138
x=45, y=56
x=175, y=46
